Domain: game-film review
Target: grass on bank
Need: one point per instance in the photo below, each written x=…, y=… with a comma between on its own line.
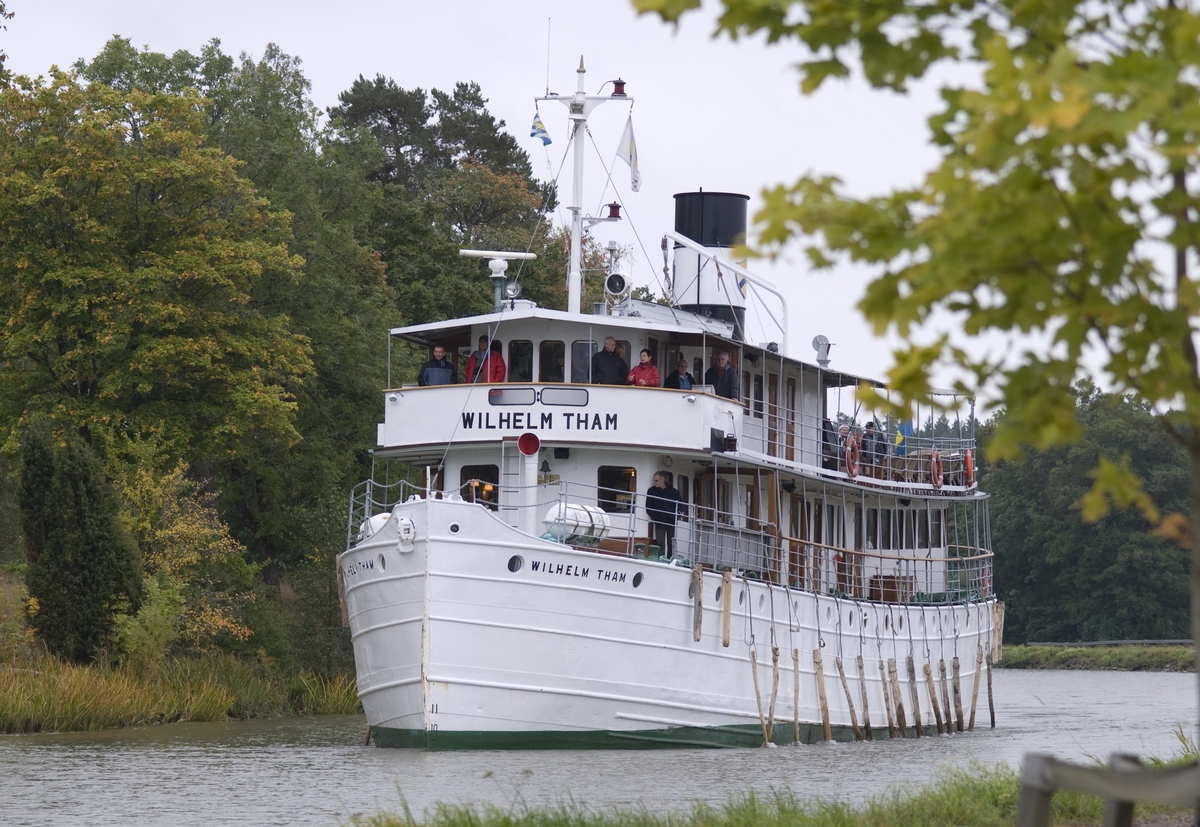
x=48, y=695
x=970, y=797
x=1118, y=658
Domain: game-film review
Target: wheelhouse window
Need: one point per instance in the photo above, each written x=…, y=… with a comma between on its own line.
x=481, y=484
x=617, y=487
x=552, y=362
x=520, y=361
x=581, y=361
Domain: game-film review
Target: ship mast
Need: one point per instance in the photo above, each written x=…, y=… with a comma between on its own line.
x=579, y=106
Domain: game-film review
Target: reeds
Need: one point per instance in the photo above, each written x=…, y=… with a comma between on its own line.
x=969, y=797
x=1116, y=658
x=48, y=695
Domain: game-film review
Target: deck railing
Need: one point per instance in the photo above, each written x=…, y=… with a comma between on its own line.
x=718, y=540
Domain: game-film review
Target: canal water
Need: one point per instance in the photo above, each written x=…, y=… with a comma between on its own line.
x=316, y=771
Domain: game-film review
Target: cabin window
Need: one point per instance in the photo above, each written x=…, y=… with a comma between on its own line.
x=858, y=527
x=683, y=488
x=746, y=384
x=625, y=352
x=923, y=528
x=617, y=488
x=758, y=396
x=872, y=528
x=552, y=362
x=936, y=529
x=520, y=361
x=481, y=484
x=697, y=371
x=885, y=528
x=581, y=361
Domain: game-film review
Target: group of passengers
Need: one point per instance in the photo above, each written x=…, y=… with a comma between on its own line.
x=486, y=365
x=871, y=443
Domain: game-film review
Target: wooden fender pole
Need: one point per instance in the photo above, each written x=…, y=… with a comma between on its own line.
x=819, y=668
x=862, y=682
x=796, y=696
x=912, y=691
x=933, y=699
x=887, y=700
x=945, y=696
x=726, y=589
x=991, y=706
x=858, y=736
x=897, y=699
x=774, y=691
x=975, y=686
x=697, y=600
x=956, y=686
x=758, y=698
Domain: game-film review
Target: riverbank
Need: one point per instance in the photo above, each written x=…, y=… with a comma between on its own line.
x=974, y=797
x=1118, y=658
x=50, y=696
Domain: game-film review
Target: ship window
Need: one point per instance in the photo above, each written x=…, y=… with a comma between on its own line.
x=511, y=396
x=577, y=397
x=683, y=489
x=520, y=361
x=622, y=349
x=481, y=484
x=936, y=518
x=923, y=528
x=581, y=361
x=617, y=486
x=551, y=359
x=872, y=527
x=885, y=528
x=758, y=396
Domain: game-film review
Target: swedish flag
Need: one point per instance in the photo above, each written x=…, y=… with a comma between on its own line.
x=539, y=130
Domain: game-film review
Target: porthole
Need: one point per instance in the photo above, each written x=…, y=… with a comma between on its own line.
x=691, y=590
x=741, y=597
x=850, y=617
x=382, y=562
x=828, y=613
x=885, y=621
x=796, y=606
x=453, y=528
x=515, y=562
x=900, y=624
x=637, y=580
x=717, y=595
x=762, y=602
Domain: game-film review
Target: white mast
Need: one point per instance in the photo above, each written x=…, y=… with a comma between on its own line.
x=580, y=105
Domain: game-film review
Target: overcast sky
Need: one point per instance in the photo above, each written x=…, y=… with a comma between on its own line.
x=708, y=113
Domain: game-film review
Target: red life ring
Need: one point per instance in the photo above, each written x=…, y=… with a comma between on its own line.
x=969, y=464
x=852, y=456
x=935, y=469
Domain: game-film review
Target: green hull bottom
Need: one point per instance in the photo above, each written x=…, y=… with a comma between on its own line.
x=748, y=735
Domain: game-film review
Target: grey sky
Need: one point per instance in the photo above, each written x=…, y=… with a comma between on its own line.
x=707, y=113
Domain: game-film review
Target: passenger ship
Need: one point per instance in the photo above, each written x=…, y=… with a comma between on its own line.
x=515, y=599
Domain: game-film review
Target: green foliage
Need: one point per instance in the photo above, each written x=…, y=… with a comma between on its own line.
x=144, y=638
x=1064, y=578
x=37, y=475
x=88, y=569
x=1118, y=658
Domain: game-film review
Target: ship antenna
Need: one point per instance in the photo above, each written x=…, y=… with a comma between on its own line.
x=548, y=19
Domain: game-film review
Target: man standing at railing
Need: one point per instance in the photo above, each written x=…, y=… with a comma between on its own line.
x=662, y=509
x=438, y=370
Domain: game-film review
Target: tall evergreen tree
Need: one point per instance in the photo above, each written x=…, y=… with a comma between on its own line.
x=37, y=475
x=88, y=569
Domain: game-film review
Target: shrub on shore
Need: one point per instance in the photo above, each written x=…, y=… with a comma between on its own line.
x=1118, y=658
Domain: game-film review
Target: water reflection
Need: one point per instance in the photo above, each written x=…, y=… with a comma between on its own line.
x=316, y=771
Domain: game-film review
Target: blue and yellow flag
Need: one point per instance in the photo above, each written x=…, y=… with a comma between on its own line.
x=539, y=130
x=903, y=430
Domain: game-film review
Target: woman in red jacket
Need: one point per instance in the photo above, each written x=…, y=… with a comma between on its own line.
x=644, y=374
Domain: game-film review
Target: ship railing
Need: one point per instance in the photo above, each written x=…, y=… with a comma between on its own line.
x=371, y=497
x=779, y=431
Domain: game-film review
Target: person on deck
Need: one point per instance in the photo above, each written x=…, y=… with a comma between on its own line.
x=644, y=374
x=607, y=367
x=476, y=360
x=722, y=377
x=680, y=380
x=874, y=450
x=662, y=509
x=438, y=370
x=491, y=368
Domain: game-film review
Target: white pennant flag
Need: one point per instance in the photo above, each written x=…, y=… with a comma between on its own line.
x=628, y=153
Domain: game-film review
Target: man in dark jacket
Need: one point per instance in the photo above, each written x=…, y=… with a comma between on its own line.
x=662, y=508
x=438, y=370
x=607, y=367
x=722, y=377
x=680, y=380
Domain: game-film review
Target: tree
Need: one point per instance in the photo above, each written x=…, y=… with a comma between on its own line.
x=87, y=569
x=1064, y=578
x=1062, y=208
x=5, y=14
x=131, y=253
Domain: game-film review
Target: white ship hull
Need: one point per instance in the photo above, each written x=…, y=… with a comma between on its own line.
x=471, y=634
